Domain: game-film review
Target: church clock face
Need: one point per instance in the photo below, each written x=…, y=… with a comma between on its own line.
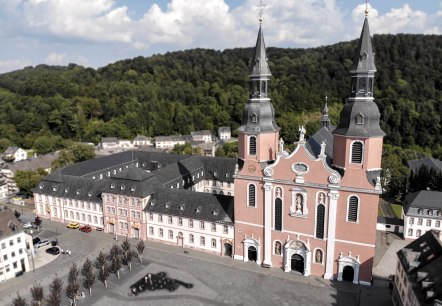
x=252, y=168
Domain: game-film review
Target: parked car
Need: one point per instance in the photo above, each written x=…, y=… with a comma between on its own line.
x=100, y=229
x=53, y=251
x=35, y=240
x=86, y=228
x=73, y=225
x=27, y=225
x=42, y=243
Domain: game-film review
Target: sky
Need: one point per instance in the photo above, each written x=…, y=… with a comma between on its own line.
x=94, y=33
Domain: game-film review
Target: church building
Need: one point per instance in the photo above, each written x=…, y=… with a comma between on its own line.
x=311, y=211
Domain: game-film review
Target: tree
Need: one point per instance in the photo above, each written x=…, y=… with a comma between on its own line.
x=125, y=245
x=54, y=298
x=114, y=251
x=73, y=286
x=89, y=276
x=73, y=154
x=19, y=301
x=140, y=249
x=26, y=180
x=37, y=293
x=17, y=214
x=101, y=260
x=104, y=274
x=128, y=259
x=38, y=221
x=116, y=265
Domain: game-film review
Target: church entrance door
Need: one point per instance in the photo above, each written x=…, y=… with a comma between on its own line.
x=348, y=273
x=251, y=254
x=298, y=263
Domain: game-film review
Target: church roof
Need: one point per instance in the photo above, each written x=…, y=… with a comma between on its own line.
x=430, y=162
x=364, y=57
x=423, y=199
x=194, y=205
x=259, y=65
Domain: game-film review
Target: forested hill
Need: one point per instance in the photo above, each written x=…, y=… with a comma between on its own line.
x=198, y=89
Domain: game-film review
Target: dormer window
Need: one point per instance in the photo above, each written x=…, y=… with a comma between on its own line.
x=167, y=205
x=66, y=190
x=254, y=118
x=198, y=209
x=420, y=211
x=364, y=56
x=41, y=186
x=153, y=203
x=122, y=187
x=132, y=188
x=54, y=188
x=181, y=207
x=215, y=212
x=112, y=185
x=430, y=212
x=359, y=119
x=89, y=193
x=78, y=191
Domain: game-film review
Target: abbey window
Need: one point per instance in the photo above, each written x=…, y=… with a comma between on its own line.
x=353, y=209
x=252, y=145
x=251, y=196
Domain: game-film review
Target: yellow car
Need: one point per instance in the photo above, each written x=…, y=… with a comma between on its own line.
x=73, y=225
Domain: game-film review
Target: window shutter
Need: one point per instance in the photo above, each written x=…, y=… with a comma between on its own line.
x=252, y=195
x=278, y=214
x=356, y=153
x=252, y=145
x=353, y=209
x=320, y=215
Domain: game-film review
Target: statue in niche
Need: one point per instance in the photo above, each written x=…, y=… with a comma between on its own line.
x=318, y=256
x=278, y=192
x=299, y=204
x=277, y=248
x=321, y=198
x=281, y=144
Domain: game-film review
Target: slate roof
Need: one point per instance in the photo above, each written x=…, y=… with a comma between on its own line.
x=430, y=162
x=72, y=187
x=364, y=50
x=173, y=138
x=425, y=200
x=219, y=168
x=9, y=224
x=43, y=161
x=224, y=129
x=11, y=150
x=178, y=171
x=194, y=205
x=422, y=262
x=314, y=142
x=109, y=139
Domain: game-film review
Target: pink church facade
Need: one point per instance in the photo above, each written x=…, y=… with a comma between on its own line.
x=312, y=211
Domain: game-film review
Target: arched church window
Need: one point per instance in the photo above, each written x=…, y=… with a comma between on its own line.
x=356, y=152
x=362, y=85
x=252, y=195
x=278, y=214
x=320, y=218
x=252, y=145
x=353, y=207
x=319, y=255
x=278, y=248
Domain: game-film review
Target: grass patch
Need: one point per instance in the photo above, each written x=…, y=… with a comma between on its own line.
x=397, y=210
x=380, y=214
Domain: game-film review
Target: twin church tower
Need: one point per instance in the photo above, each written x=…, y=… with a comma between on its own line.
x=312, y=211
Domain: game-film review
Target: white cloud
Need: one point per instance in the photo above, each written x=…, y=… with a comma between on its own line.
x=13, y=64
x=55, y=59
x=97, y=20
x=399, y=20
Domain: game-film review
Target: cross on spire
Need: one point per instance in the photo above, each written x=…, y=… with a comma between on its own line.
x=261, y=8
x=366, y=7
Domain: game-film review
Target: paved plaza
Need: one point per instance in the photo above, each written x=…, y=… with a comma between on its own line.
x=216, y=280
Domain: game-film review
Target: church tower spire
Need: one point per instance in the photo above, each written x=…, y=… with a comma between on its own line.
x=359, y=130
x=259, y=134
x=325, y=120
